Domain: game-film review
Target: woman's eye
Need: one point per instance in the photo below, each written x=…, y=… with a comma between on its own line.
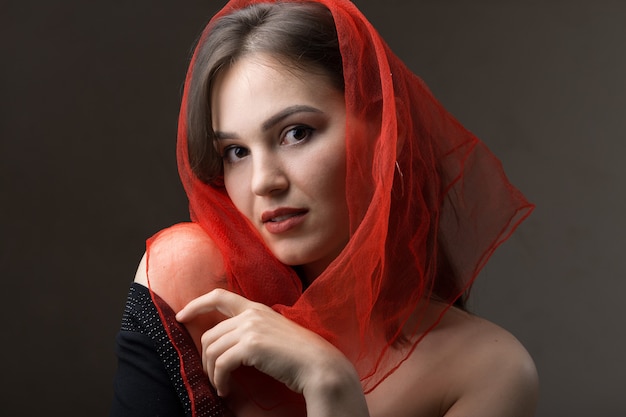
x=297, y=134
x=234, y=153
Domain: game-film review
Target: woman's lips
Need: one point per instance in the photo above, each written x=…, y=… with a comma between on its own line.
x=283, y=219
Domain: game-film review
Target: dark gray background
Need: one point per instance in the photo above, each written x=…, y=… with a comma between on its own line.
x=90, y=94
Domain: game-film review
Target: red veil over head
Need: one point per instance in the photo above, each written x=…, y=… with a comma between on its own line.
x=428, y=203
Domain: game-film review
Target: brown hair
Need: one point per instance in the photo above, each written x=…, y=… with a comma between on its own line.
x=299, y=35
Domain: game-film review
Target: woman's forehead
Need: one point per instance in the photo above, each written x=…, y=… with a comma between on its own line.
x=258, y=86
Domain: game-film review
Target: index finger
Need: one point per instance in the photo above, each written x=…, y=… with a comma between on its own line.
x=226, y=302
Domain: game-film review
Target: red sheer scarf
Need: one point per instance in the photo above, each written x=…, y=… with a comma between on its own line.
x=428, y=202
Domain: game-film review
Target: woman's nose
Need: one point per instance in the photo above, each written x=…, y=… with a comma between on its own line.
x=268, y=175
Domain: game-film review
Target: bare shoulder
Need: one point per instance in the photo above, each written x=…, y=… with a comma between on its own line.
x=465, y=366
x=493, y=374
x=181, y=262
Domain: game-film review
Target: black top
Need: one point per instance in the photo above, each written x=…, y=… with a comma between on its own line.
x=148, y=380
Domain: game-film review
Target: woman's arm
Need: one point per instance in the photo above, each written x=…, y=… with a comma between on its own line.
x=257, y=336
x=142, y=385
x=182, y=262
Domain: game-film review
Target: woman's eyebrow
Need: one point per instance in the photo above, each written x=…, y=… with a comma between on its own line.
x=224, y=135
x=273, y=120
x=299, y=108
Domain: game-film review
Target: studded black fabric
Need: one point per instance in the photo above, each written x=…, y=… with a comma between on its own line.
x=149, y=380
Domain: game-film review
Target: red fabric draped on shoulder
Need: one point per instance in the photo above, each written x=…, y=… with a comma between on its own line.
x=428, y=202
x=183, y=263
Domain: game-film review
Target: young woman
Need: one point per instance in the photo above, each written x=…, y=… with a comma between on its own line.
x=340, y=215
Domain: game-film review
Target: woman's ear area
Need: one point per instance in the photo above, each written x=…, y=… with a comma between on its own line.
x=401, y=126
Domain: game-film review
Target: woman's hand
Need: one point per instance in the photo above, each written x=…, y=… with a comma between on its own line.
x=255, y=335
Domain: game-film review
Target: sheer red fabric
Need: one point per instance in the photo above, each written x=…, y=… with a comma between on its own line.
x=428, y=202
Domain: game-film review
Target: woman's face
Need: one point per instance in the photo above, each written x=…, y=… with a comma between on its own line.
x=281, y=133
